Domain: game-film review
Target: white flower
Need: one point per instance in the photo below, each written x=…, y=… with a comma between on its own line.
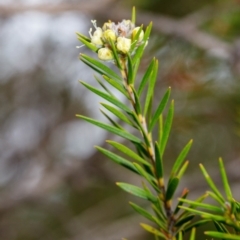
x=123, y=44
x=96, y=38
x=105, y=54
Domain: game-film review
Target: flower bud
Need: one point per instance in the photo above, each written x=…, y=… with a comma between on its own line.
x=123, y=44
x=134, y=33
x=97, y=40
x=109, y=34
x=108, y=25
x=105, y=54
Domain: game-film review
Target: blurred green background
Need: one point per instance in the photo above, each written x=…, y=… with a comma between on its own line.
x=53, y=184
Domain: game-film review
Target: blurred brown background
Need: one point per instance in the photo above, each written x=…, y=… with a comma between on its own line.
x=53, y=184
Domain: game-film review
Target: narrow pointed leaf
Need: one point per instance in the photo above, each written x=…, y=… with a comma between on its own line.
x=147, y=176
x=104, y=87
x=196, y=224
x=204, y=206
x=180, y=203
x=117, y=113
x=152, y=230
x=119, y=160
x=116, y=85
x=211, y=183
x=133, y=15
x=83, y=36
x=227, y=236
x=129, y=152
x=205, y=215
x=144, y=213
x=130, y=70
x=112, y=129
x=137, y=191
x=167, y=128
x=158, y=162
x=107, y=97
x=99, y=67
x=172, y=186
x=146, y=77
x=183, y=169
x=88, y=44
x=114, y=123
x=115, y=54
x=135, y=68
x=160, y=109
x=220, y=227
x=151, y=87
x=137, y=102
x=140, y=50
x=193, y=233
x=181, y=157
x=184, y=220
x=135, y=39
x=225, y=180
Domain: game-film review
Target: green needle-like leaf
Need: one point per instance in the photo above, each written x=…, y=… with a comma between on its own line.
x=137, y=191
x=181, y=158
x=99, y=67
x=166, y=128
x=146, y=77
x=227, y=236
x=172, y=186
x=205, y=215
x=104, y=87
x=145, y=213
x=117, y=85
x=135, y=39
x=184, y=220
x=109, y=98
x=112, y=129
x=160, y=109
x=130, y=70
x=151, y=87
x=119, y=160
x=183, y=169
x=147, y=176
x=152, y=230
x=140, y=49
x=133, y=15
x=114, y=123
x=180, y=203
x=211, y=183
x=193, y=233
x=159, y=165
x=206, y=206
x=115, y=54
x=137, y=102
x=225, y=180
x=88, y=44
x=117, y=113
x=129, y=152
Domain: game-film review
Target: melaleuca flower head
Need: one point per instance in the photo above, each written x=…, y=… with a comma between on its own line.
x=109, y=34
x=123, y=44
x=134, y=33
x=105, y=54
x=125, y=28
x=96, y=38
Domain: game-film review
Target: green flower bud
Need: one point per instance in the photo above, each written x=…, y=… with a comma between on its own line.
x=109, y=34
x=105, y=54
x=134, y=33
x=123, y=44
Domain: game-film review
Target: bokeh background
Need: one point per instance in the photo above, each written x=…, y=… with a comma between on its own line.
x=53, y=183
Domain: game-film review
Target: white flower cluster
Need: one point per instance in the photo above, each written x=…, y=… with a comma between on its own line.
x=122, y=35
